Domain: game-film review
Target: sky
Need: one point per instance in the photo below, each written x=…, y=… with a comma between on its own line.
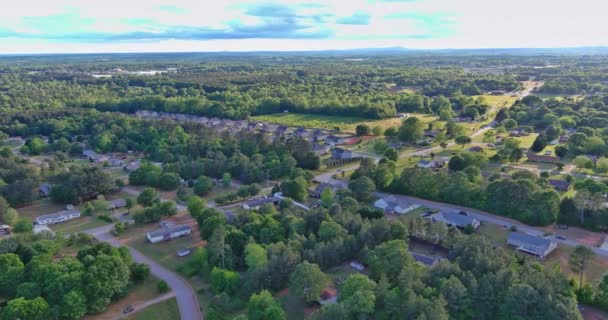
x=83, y=26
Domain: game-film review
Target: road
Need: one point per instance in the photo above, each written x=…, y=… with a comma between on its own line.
x=185, y=294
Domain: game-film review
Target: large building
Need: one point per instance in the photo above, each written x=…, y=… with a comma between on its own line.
x=456, y=219
x=537, y=246
x=166, y=234
x=58, y=217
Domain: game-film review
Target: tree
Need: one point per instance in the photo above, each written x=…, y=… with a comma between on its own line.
x=327, y=198
x=148, y=197
x=539, y=143
x=391, y=154
x=456, y=163
x=516, y=155
x=583, y=162
x=203, y=186
x=579, y=258
x=12, y=273
x=295, y=188
x=168, y=181
x=462, y=140
x=162, y=286
x=20, y=308
x=224, y=281
x=377, y=131
x=263, y=306
x=357, y=294
x=226, y=179
x=411, y=130
x=73, y=305
x=307, y=281
x=582, y=199
x=106, y=276
x=129, y=204
x=389, y=258
x=602, y=164
x=10, y=216
x=139, y=272
x=23, y=225
x=255, y=256
x=362, y=188
x=561, y=150
x=362, y=130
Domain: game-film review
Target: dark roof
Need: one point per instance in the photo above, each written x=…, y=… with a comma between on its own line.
x=424, y=259
x=259, y=202
x=457, y=219
x=533, y=240
x=559, y=184
x=45, y=188
x=540, y=158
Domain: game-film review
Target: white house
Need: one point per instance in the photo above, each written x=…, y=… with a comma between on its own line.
x=167, y=234
x=58, y=217
x=117, y=204
x=390, y=204
x=537, y=246
x=431, y=164
x=257, y=203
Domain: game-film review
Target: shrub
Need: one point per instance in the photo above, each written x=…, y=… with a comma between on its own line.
x=162, y=286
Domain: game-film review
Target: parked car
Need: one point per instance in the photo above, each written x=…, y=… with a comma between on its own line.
x=462, y=213
x=184, y=252
x=128, y=309
x=125, y=214
x=561, y=237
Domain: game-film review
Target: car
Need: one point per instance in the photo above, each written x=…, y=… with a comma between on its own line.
x=462, y=213
x=128, y=309
x=184, y=252
x=561, y=237
x=125, y=214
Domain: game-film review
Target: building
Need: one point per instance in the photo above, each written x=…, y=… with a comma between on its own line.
x=320, y=149
x=560, y=185
x=537, y=246
x=476, y=149
x=335, y=140
x=318, y=190
x=58, y=217
x=132, y=166
x=117, y=204
x=541, y=158
x=44, y=190
x=328, y=296
x=430, y=134
x=453, y=219
x=390, y=204
x=167, y=234
x=357, y=266
x=463, y=119
x=424, y=259
x=257, y=203
x=431, y=164
x=341, y=154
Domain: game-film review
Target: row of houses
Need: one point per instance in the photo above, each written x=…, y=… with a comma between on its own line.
x=58, y=217
x=270, y=130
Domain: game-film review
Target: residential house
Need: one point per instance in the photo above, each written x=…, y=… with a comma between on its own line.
x=117, y=204
x=88, y=154
x=319, y=135
x=424, y=259
x=282, y=130
x=320, y=149
x=335, y=140
x=432, y=164
x=541, y=158
x=341, y=154
x=328, y=296
x=58, y=217
x=391, y=204
x=519, y=132
x=463, y=119
x=453, y=219
x=560, y=185
x=357, y=266
x=537, y=246
x=476, y=149
x=115, y=162
x=44, y=190
x=166, y=234
x=255, y=204
x=132, y=166
x=269, y=128
x=318, y=190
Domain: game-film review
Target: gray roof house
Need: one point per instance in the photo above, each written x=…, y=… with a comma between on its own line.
x=391, y=204
x=341, y=154
x=559, y=185
x=257, y=203
x=455, y=219
x=537, y=246
x=431, y=164
x=44, y=190
x=117, y=203
x=318, y=190
x=166, y=234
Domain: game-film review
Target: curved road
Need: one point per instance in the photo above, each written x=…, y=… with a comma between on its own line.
x=185, y=294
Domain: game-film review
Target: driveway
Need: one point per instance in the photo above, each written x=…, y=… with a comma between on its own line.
x=185, y=294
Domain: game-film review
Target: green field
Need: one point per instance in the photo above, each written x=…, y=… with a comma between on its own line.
x=346, y=124
x=166, y=310
x=497, y=101
x=165, y=252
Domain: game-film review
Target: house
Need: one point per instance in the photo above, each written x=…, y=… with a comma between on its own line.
x=424, y=259
x=430, y=134
x=319, y=135
x=58, y=217
x=519, y=132
x=257, y=203
x=117, y=204
x=476, y=149
x=357, y=266
x=463, y=119
x=166, y=234
x=390, y=204
x=334, y=140
x=560, y=185
x=328, y=296
x=541, y=158
x=537, y=246
x=341, y=154
x=115, y=162
x=89, y=154
x=320, y=149
x=318, y=190
x=453, y=219
x=44, y=190
x=431, y=164
x=132, y=166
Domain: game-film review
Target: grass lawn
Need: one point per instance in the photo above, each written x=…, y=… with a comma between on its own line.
x=497, y=101
x=166, y=310
x=137, y=294
x=165, y=252
x=79, y=224
x=593, y=272
x=497, y=234
x=40, y=207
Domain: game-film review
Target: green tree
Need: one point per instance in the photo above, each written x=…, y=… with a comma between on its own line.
x=12, y=273
x=327, y=198
x=357, y=294
x=583, y=162
x=255, y=256
x=106, y=276
x=203, y=186
x=148, y=197
x=20, y=308
x=162, y=286
x=539, y=143
x=362, y=188
x=73, y=305
x=226, y=179
x=411, y=130
x=23, y=225
x=263, y=306
x=308, y=281
x=10, y=216
x=389, y=258
x=456, y=163
x=580, y=257
x=391, y=154
x=362, y=130
x=129, y=204
x=295, y=188
x=462, y=140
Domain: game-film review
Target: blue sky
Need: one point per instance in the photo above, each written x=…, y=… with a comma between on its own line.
x=39, y=26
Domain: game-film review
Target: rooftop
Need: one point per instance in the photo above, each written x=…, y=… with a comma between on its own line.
x=533, y=240
x=167, y=231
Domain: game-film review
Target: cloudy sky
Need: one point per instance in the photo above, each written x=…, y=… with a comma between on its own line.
x=41, y=26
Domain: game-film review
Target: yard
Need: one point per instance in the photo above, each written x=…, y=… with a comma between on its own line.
x=166, y=310
x=497, y=101
x=78, y=224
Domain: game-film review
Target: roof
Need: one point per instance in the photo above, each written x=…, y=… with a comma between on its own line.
x=541, y=158
x=424, y=259
x=560, y=184
x=457, y=219
x=45, y=188
x=57, y=214
x=168, y=231
x=526, y=238
x=424, y=162
x=259, y=202
x=118, y=202
x=322, y=186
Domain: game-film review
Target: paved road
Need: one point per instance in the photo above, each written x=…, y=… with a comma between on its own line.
x=140, y=306
x=185, y=294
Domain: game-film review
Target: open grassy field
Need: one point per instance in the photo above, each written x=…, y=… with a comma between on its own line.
x=137, y=294
x=346, y=124
x=166, y=310
x=165, y=252
x=497, y=101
